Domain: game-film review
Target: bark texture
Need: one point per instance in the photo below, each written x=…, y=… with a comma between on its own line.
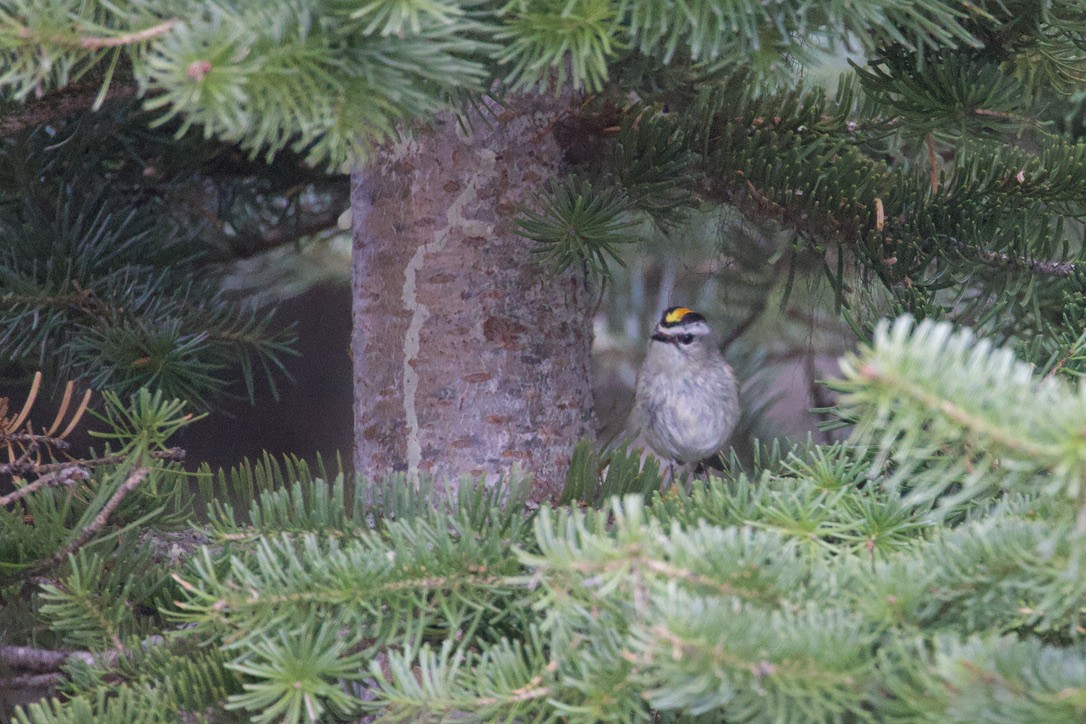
x=469, y=359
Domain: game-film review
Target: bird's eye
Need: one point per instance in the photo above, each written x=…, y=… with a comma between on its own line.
x=685, y=338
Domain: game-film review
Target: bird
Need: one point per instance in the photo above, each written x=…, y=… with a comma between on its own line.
x=686, y=404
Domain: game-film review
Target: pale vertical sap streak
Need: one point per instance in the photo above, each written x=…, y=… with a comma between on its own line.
x=454, y=219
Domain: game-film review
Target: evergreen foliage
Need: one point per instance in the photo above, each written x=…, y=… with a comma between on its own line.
x=928, y=568
x=943, y=179
x=115, y=247
x=830, y=583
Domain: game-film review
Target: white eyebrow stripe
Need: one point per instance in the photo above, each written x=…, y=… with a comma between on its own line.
x=698, y=329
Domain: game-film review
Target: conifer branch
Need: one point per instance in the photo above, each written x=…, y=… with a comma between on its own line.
x=980, y=426
x=131, y=483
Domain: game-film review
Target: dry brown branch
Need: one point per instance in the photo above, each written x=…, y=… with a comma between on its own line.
x=64, y=402
x=29, y=442
x=79, y=412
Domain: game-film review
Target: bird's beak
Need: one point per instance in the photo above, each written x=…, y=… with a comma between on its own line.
x=660, y=337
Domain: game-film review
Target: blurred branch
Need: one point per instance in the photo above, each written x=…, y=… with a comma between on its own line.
x=137, y=36
x=29, y=658
x=244, y=247
x=1062, y=269
x=33, y=659
x=59, y=105
x=34, y=681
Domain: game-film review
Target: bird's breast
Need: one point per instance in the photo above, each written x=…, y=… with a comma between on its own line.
x=691, y=418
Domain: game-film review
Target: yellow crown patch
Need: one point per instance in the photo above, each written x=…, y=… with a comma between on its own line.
x=676, y=315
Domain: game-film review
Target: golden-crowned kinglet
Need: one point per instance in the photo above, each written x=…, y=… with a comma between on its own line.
x=687, y=402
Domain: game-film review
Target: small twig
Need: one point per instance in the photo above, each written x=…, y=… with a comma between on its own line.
x=1059, y=365
x=933, y=164
x=245, y=247
x=599, y=300
x=174, y=453
x=21, y=464
x=30, y=438
x=65, y=476
x=815, y=391
x=33, y=681
x=138, y=476
x=743, y=326
x=1051, y=268
x=1024, y=120
x=24, y=465
x=138, y=36
x=94, y=42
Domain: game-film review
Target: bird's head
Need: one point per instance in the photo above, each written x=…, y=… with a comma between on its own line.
x=684, y=330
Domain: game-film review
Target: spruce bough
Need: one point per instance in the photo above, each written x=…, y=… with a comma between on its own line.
x=944, y=178
x=924, y=569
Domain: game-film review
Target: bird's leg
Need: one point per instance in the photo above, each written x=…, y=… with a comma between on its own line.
x=680, y=476
x=668, y=478
x=705, y=469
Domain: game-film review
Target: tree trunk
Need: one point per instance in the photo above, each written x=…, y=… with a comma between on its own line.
x=469, y=358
